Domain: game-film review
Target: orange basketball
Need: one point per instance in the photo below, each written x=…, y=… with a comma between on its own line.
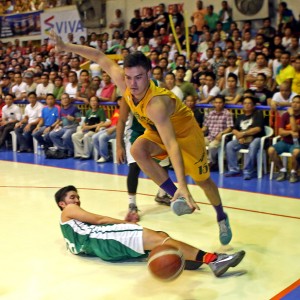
x=166, y=262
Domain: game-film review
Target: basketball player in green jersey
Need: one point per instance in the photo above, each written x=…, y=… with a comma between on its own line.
x=171, y=130
x=115, y=240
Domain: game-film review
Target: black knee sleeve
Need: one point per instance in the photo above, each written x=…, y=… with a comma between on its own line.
x=133, y=177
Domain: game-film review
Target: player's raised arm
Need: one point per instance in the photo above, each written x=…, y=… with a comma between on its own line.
x=109, y=66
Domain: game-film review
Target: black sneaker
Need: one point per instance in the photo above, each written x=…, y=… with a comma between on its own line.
x=165, y=200
x=226, y=261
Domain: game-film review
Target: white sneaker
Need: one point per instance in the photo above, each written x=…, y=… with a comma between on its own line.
x=101, y=160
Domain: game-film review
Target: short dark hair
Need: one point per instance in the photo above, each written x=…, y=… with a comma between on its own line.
x=61, y=193
x=253, y=99
x=263, y=75
x=220, y=97
x=211, y=74
x=137, y=59
x=31, y=93
x=232, y=75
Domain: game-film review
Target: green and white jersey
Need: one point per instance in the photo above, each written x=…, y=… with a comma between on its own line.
x=110, y=242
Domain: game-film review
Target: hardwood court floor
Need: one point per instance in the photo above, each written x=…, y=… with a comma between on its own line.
x=36, y=266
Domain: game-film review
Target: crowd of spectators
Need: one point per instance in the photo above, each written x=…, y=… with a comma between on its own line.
x=21, y=6
x=222, y=61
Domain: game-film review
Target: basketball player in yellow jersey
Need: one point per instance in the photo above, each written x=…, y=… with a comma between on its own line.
x=170, y=130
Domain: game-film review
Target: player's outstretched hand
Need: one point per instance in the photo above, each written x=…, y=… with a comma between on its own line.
x=184, y=192
x=59, y=44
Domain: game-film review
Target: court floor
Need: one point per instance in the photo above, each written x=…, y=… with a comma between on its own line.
x=36, y=266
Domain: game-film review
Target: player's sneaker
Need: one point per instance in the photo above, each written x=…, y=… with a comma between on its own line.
x=132, y=215
x=294, y=178
x=165, y=200
x=180, y=207
x=225, y=234
x=226, y=261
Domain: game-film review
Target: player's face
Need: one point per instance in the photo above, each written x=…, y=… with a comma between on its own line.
x=137, y=80
x=71, y=198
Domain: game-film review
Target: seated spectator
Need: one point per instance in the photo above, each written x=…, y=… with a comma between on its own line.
x=294, y=48
x=18, y=89
x=190, y=102
x=47, y=122
x=220, y=79
x=234, y=67
x=9, y=7
x=217, y=122
x=261, y=66
x=181, y=61
x=248, y=43
x=267, y=30
x=84, y=90
x=157, y=76
x=261, y=92
x=29, y=80
x=25, y=127
x=218, y=59
x=241, y=54
x=75, y=65
x=287, y=37
x=285, y=72
x=102, y=136
x=248, y=130
x=232, y=93
x=58, y=88
x=186, y=87
x=143, y=45
x=72, y=86
x=296, y=80
x=210, y=90
x=6, y=85
x=259, y=43
x=289, y=132
x=11, y=114
x=250, y=63
x=107, y=93
x=275, y=64
x=284, y=97
x=44, y=88
x=170, y=85
x=69, y=118
x=82, y=139
x=65, y=74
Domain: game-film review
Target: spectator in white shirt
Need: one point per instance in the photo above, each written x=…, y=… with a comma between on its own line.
x=284, y=97
x=170, y=85
x=71, y=87
x=210, y=90
x=44, y=88
x=18, y=89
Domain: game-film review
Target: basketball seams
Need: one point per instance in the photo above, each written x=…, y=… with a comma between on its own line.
x=165, y=252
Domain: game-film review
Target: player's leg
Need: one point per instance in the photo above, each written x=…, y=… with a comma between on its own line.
x=162, y=197
x=219, y=263
x=132, y=183
x=212, y=193
x=142, y=151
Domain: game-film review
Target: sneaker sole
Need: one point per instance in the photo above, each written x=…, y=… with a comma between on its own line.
x=162, y=202
x=233, y=264
x=180, y=207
